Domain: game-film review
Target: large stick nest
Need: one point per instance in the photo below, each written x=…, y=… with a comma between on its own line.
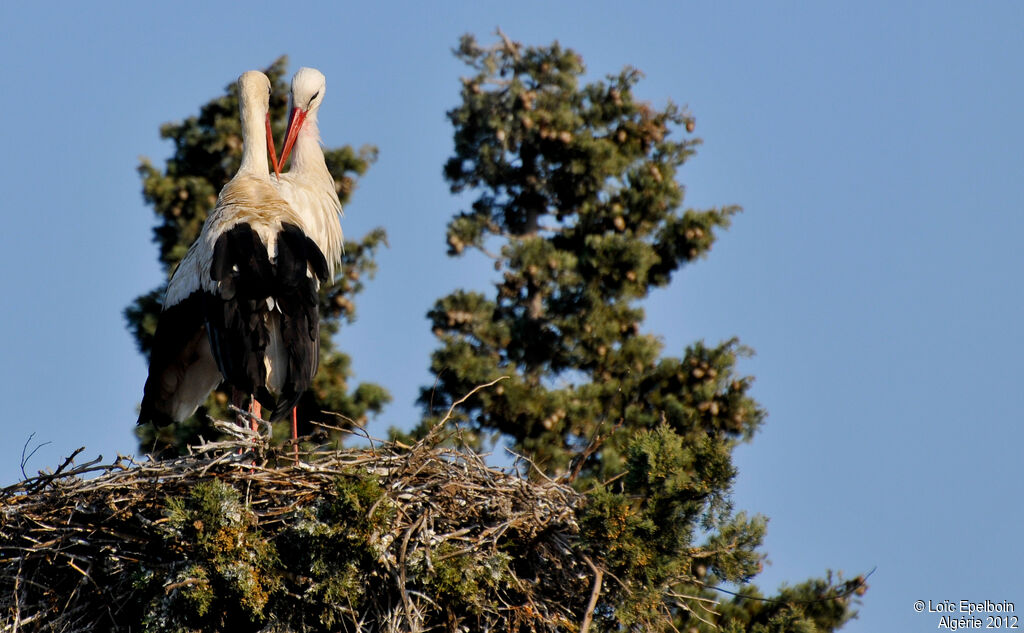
x=389, y=538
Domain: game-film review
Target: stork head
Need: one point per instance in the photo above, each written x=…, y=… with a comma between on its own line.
x=308, y=87
x=254, y=100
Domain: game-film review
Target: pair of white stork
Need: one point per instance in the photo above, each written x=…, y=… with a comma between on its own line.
x=242, y=307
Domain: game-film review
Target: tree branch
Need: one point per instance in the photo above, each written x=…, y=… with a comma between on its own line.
x=588, y=615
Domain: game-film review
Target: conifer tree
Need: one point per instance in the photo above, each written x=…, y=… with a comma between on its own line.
x=207, y=153
x=575, y=200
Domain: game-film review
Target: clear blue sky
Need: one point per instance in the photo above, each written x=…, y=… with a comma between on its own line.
x=876, y=148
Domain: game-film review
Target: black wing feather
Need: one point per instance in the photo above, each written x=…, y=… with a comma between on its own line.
x=234, y=316
x=237, y=316
x=299, y=303
x=178, y=332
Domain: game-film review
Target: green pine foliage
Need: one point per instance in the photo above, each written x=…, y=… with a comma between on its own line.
x=207, y=153
x=579, y=207
x=224, y=570
x=576, y=202
x=228, y=574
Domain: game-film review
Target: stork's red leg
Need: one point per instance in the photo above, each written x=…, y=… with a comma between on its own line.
x=257, y=412
x=295, y=431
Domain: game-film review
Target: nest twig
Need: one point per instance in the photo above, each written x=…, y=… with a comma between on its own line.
x=72, y=550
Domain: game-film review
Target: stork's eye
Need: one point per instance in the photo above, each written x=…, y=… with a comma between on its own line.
x=315, y=95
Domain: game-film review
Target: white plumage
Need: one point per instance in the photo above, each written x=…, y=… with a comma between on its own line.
x=309, y=187
x=244, y=298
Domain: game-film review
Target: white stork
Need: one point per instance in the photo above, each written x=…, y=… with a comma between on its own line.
x=249, y=283
x=308, y=186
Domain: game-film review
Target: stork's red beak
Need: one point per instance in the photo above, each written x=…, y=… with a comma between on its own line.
x=294, y=125
x=270, y=148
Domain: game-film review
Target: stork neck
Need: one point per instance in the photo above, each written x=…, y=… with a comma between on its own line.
x=254, y=144
x=307, y=156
